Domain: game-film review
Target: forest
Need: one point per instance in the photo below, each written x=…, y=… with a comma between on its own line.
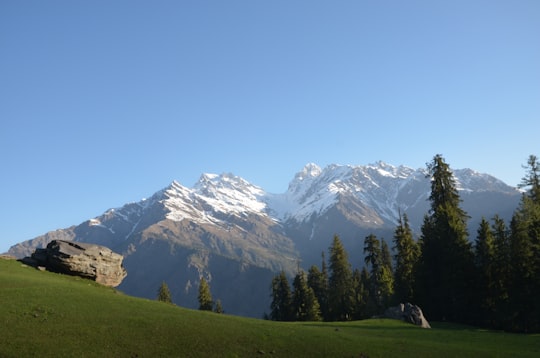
x=489, y=279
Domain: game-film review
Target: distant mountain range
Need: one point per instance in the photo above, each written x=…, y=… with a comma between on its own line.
x=238, y=236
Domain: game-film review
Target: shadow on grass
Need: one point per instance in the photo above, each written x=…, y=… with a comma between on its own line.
x=373, y=324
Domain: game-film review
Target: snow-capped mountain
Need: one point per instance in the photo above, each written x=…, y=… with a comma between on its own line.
x=315, y=190
x=384, y=188
x=213, y=196
x=234, y=233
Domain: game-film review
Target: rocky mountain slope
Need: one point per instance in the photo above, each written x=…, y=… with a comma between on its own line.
x=237, y=236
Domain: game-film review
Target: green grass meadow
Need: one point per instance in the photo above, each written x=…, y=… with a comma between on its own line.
x=43, y=314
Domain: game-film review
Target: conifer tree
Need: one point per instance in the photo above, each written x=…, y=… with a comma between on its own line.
x=218, y=308
x=340, y=290
x=324, y=305
x=387, y=275
x=205, y=296
x=525, y=253
x=386, y=257
x=372, y=258
x=377, y=256
x=364, y=307
x=373, y=253
x=502, y=271
x=164, y=294
x=406, y=258
x=485, y=263
x=359, y=302
x=318, y=281
x=281, y=306
x=531, y=180
x=305, y=304
x=446, y=266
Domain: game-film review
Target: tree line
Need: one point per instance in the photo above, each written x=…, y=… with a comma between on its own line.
x=491, y=280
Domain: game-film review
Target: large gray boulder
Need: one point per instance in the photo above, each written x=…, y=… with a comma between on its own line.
x=94, y=262
x=408, y=313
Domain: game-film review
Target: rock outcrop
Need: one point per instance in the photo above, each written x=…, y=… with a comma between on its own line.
x=94, y=262
x=408, y=313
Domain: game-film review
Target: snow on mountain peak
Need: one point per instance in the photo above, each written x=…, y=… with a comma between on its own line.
x=313, y=190
x=389, y=170
x=470, y=180
x=213, y=194
x=228, y=193
x=303, y=179
x=375, y=184
x=310, y=170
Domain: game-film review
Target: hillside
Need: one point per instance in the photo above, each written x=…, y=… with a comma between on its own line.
x=50, y=315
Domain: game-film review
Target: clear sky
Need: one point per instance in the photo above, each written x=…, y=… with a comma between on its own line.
x=105, y=102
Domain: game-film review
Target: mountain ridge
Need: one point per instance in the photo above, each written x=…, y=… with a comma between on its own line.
x=227, y=229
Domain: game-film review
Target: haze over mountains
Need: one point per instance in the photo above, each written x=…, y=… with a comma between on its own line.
x=238, y=236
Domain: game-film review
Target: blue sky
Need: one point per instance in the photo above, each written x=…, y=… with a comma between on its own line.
x=106, y=102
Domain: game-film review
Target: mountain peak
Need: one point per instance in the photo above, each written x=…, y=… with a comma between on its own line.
x=211, y=183
x=304, y=178
x=310, y=170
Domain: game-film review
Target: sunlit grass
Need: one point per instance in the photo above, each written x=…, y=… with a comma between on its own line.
x=49, y=315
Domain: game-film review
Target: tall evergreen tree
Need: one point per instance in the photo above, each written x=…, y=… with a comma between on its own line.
x=386, y=257
x=485, y=258
x=373, y=253
x=525, y=253
x=205, y=296
x=281, y=306
x=164, y=294
x=377, y=256
x=406, y=258
x=368, y=308
x=319, y=284
x=323, y=302
x=318, y=281
x=340, y=290
x=387, y=275
x=304, y=303
x=373, y=259
x=446, y=266
x=502, y=271
x=531, y=180
x=360, y=301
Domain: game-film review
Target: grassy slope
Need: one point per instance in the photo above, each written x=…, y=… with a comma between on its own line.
x=48, y=315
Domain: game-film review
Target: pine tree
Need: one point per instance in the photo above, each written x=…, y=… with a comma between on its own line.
x=386, y=257
x=502, y=272
x=373, y=253
x=377, y=256
x=485, y=263
x=318, y=281
x=340, y=290
x=205, y=297
x=164, y=295
x=360, y=297
x=387, y=275
x=281, y=306
x=525, y=253
x=406, y=258
x=531, y=180
x=446, y=267
x=323, y=299
x=304, y=303
x=218, y=308
x=370, y=307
